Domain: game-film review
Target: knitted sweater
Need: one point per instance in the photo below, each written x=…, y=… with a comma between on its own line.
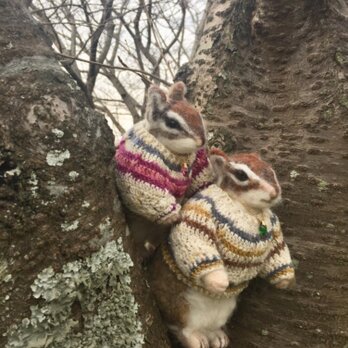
x=216, y=232
x=151, y=180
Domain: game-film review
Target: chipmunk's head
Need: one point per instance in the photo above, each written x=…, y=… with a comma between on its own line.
x=246, y=177
x=173, y=121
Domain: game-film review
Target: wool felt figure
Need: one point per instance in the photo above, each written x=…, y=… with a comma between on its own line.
x=226, y=236
x=160, y=161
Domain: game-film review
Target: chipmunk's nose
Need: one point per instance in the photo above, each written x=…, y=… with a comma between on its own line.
x=272, y=197
x=273, y=194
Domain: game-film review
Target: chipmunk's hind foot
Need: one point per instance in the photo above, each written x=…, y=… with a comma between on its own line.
x=218, y=339
x=193, y=339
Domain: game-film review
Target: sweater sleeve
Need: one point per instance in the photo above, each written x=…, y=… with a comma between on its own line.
x=143, y=185
x=201, y=173
x=192, y=242
x=278, y=265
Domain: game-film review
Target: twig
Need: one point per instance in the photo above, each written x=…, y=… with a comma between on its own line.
x=94, y=69
x=145, y=79
x=166, y=83
x=130, y=102
x=105, y=109
x=175, y=39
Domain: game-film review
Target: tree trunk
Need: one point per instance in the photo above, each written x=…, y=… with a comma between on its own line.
x=271, y=76
x=64, y=272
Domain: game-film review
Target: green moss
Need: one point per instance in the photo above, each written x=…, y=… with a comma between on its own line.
x=293, y=175
x=3, y=269
x=322, y=185
x=339, y=58
x=327, y=115
x=106, y=232
x=5, y=277
x=99, y=287
x=344, y=102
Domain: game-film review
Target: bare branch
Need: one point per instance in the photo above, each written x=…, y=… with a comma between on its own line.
x=117, y=36
x=94, y=69
x=149, y=28
x=166, y=83
x=137, y=38
x=103, y=108
x=127, y=98
x=149, y=38
x=143, y=78
x=86, y=11
x=158, y=37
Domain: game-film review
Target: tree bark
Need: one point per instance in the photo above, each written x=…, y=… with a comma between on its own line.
x=64, y=272
x=271, y=77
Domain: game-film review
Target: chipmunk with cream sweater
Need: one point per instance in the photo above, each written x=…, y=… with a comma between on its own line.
x=159, y=162
x=227, y=235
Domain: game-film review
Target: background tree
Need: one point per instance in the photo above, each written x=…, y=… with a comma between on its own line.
x=272, y=77
x=133, y=42
x=64, y=272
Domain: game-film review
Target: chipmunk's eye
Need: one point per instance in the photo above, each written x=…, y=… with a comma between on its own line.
x=172, y=123
x=241, y=175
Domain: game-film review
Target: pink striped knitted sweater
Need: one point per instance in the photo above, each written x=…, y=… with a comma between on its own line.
x=152, y=181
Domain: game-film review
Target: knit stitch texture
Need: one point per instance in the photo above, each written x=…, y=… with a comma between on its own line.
x=152, y=181
x=218, y=232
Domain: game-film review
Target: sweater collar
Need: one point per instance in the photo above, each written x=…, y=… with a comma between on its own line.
x=219, y=200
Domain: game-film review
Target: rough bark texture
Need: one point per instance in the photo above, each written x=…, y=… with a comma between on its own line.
x=60, y=215
x=271, y=77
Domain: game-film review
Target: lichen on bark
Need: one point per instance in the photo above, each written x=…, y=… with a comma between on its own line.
x=99, y=287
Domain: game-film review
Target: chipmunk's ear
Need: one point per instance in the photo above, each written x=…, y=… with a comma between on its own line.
x=177, y=91
x=156, y=102
x=218, y=160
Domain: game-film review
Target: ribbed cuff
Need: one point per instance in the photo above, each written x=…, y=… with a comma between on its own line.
x=281, y=273
x=172, y=216
x=205, y=267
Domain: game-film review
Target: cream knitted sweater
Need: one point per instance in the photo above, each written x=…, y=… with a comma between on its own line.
x=151, y=180
x=217, y=232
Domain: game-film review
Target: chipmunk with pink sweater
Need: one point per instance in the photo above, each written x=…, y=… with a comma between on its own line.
x=160, y=162
x=227, y=235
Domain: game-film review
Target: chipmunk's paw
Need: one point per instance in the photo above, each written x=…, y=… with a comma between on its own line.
x=172, y=217
x=286, y=284
x=216, y=281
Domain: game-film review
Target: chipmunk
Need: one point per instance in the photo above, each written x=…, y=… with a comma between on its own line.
x=160, y=161
x=226, y=236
